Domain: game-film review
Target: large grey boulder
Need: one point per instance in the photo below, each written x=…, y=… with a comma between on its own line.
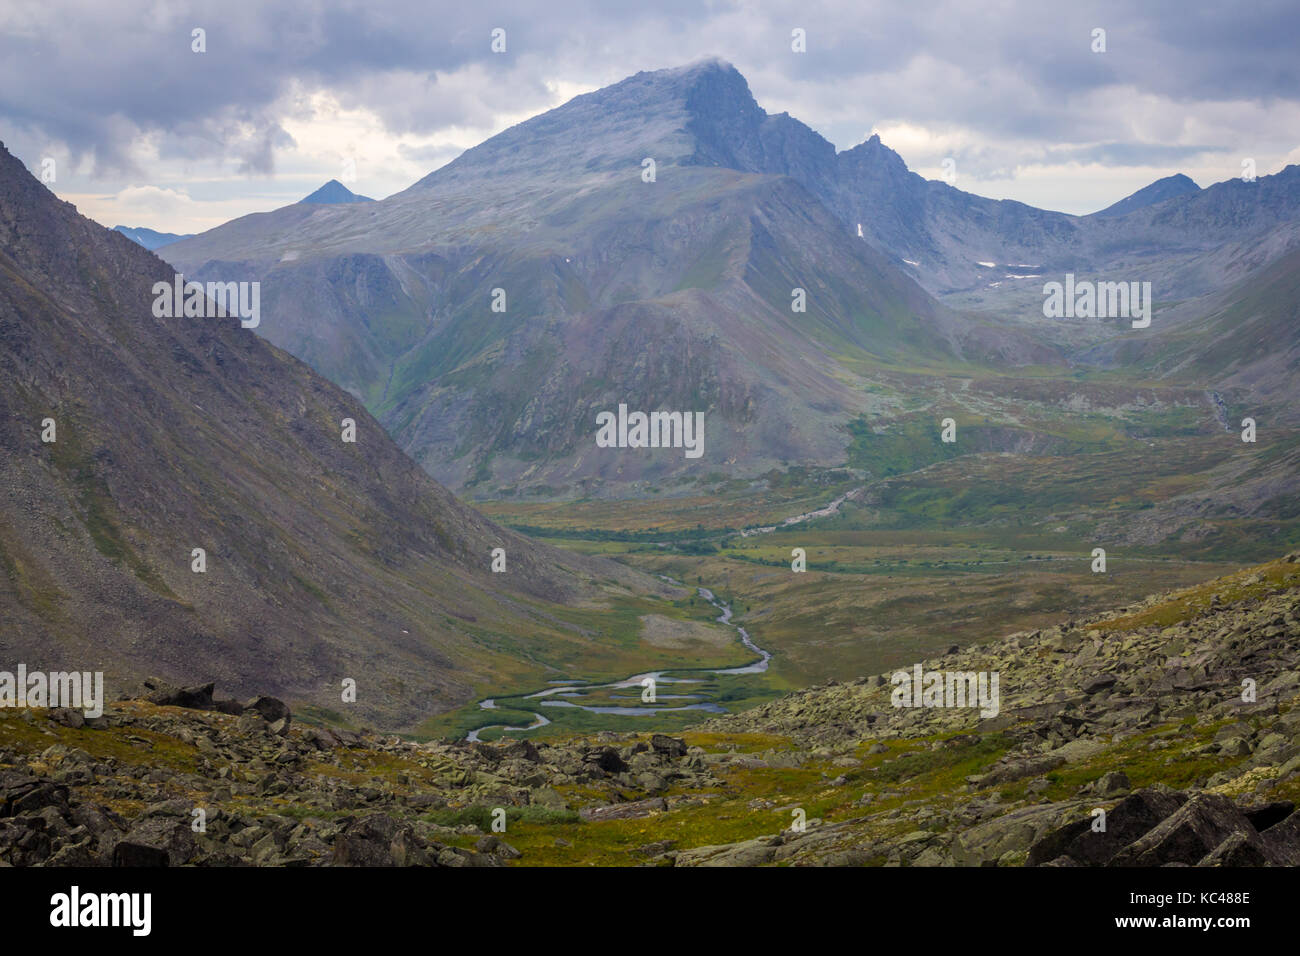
x=1015, y=832
x=1191, y=833
x=1130, y=819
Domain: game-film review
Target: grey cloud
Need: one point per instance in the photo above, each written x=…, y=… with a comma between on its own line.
x=97, y=79
x=1136, y=154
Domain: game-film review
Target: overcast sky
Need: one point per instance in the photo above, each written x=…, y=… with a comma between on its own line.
x=146, y=132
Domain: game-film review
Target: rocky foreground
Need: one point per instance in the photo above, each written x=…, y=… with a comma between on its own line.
x=1176, y=717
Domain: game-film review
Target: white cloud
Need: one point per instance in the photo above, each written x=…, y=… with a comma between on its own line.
x=160, y=208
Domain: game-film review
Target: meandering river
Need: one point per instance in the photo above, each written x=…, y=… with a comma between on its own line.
x=563, y=693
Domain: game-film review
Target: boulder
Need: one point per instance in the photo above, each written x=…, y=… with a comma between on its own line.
x=985, y=843
x=367, y=842
x=1099, y=683
x=1111, y=784
x=624, y=811
x=668, y=746
x=21, y=794
x=1239, y=849
x=1189, y=834
x=748, y=853
x=522, y=750
x=1017, y=768
x=169, y=835
x=1133, y=817
x=68, y=717
x=320, y=738
x=270, y=709
x=197, y=697
x=606, y=759
x=1282, y=841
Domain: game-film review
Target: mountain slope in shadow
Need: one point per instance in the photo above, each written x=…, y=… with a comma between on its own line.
x=325, y=560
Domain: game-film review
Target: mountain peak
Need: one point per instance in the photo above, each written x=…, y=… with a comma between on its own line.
x=151, y=239
x=873, y=157
x=710, y=84
x=334, y=193
x=1158, y=191
x=681, y=115
x=705, y=65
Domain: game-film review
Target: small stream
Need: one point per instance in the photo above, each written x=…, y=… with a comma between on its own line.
x=823, y=512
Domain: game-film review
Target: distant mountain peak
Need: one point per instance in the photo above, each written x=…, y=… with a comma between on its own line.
x=151, y=239
x=872, y=154
x=334, y=193
x=1158, y=191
